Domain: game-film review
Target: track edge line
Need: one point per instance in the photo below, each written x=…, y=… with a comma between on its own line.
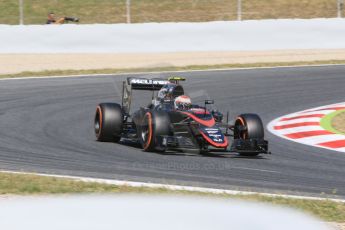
x=172, y=187
x=166, y=71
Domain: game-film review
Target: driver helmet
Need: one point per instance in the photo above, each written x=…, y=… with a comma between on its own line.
x=183, y=102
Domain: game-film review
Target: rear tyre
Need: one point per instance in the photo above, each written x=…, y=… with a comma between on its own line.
x=249, y=126
x=155, y=124
x=108, y=122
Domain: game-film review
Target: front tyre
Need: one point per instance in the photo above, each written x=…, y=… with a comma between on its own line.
x=249, y=126
x=108, y=122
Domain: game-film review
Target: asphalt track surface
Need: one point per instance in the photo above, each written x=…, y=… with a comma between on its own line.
x=46, y=126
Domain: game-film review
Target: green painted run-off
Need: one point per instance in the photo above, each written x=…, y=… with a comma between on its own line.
x=326, y=122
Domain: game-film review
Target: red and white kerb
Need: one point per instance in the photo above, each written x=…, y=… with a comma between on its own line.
x=304, y=127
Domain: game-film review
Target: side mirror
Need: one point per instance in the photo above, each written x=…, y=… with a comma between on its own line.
x=208, y=102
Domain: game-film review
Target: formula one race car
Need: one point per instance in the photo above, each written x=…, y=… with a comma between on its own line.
x=172, y=122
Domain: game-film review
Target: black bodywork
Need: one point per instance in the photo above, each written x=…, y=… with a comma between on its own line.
x=194, y=129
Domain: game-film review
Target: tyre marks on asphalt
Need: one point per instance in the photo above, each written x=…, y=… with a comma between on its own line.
x=305, y=127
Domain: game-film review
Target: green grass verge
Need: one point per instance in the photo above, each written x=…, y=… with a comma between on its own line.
x=334, y=122
x=169, y=68
x=114, y=11
x=20, y=184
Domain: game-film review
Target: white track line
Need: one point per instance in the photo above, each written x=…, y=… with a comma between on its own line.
x=172, y=187
x=341, y=149
x=283, y=132
x=253, y=169
x=322, y=138
x=167, y=71
x=300, y=120
x=310, y=113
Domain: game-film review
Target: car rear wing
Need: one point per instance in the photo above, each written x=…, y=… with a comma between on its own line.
x=146, y=84
x=133, y=83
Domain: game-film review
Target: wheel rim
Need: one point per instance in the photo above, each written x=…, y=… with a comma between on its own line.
x=241, y=134
x=146, y=130
x=98, y=122
x=97, y=127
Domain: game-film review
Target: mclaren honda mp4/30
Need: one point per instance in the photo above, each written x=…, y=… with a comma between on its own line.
x=172, y=122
